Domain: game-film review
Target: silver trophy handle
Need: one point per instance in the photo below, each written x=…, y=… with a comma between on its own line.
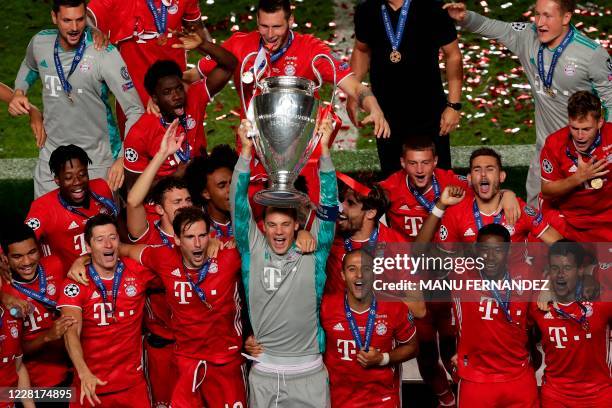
x=244, y=61
x=318, y=74
x=256, y=78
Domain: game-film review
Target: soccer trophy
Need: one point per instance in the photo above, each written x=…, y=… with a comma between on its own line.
x=284, y=112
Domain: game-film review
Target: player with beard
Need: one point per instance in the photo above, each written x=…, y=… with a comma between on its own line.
x=575, y=164
x=105, y=342
x=58, y=217
x=367, y=339
x=76, y=80
x=37, y=280
x=558, y=61
x=574, y=336
x=163, y=82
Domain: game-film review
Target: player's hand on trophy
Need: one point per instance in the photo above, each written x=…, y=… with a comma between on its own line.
x=188, y=40
x=245, y=138
x=172, y=141
x=325, y=127
x=451, y=195
x=456, y=11
x=252, y=347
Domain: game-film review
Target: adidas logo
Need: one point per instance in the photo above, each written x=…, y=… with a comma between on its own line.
x=548, y=315
x=73, y=225
x=338, y=327
x=44, y=64
x=95, y=295
x=469, y=233
x=573, y=169
x=176, y=273
x=405, y=207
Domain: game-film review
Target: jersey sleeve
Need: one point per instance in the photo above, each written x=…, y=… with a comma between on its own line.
x=445, y=32
x=550, y=167
x=136, y=152
x=100, y=186
x=322, y=65
x=102, y=12
x=449, y=228
x=404, y=328
x=39, y=219
x=362, y=25
x=28, y=71
x=192, y=11
x=72, y=294
x=205, y=66
x=114, y=72
x=532, y=221
x=511, y=35
x=150, y=257
x=600, y=75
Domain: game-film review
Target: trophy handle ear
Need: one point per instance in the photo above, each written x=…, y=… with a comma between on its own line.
x=244, y=62
x=320, y=78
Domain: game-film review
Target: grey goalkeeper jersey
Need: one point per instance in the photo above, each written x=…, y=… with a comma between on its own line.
x=584, y=65
x=87, y=121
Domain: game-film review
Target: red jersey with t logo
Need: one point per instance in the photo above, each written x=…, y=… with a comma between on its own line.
x=62, y=230
x=406, y=214
x=215, y=334
x=577, y=359
x=352, y=385
x=10, y=347
x=112, y=345
x=143, y=140
x=49, y=366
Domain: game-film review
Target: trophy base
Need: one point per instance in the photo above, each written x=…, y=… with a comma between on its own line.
x=281, y=198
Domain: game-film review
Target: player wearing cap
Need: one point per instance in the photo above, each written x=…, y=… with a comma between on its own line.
x=367, y=339
x=105, y=344
x=58, y=217
x=557, y=59
x=575, y=164
x=575, y=336
x=38, y=281
x=76, y=81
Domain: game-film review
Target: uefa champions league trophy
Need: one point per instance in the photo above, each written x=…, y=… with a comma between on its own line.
x=284, y=114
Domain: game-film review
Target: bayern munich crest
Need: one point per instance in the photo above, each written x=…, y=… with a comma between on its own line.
x=51, y=289
x=214, y=267
x=130, y=290
x=14, y=332
x=381, y=329
x=191, y=123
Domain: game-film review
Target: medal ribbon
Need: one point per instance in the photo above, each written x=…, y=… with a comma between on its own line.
x=163, y=236
x=548, y=78
x=395, y=37
x=589, y=154
x=219, y=231
x=184, y=154
x=109, y=204
x=478, y=219
x=159, y=16
x=78, y=56
x=201, y=276
x=100, y=285
x=40, y=294
x=421, y=199
x=504, y=304
x=274, y=56
x=583, y=322
x=369, y=329
x=348, y=245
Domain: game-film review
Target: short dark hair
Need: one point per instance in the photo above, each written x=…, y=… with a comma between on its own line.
x=375, y=200
x=97, y=221
x=495, y=230
x=419, y=144
x=64, y=154
x=365, y=253
x=164, y=185
x=196, y=175
x=16, y=232
x=160, y=69
x=565, y=247
x=67, y=3
x=566, y=5
x=186, y=217
x=289, y=211
x=486, y=151
x=583, y=103
x=272, y=6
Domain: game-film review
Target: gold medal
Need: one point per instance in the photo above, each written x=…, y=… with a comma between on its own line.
x=395, y=56
x=597, y=183
x=162, y=39
x=550, y=92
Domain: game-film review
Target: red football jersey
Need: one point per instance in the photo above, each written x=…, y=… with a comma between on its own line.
x=61, y=230
x=459, y=225
x=10, y=347
x=130, y=25
x=214, y=335
x=143, y=140
x=352, y=385
x=112, y=345
x=406, y=214
x=585, y=207
x=49, y=367
x=334, y=283
x=577, y=360
x=490, y=348
x=296, y=61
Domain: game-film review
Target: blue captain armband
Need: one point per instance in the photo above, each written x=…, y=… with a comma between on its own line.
x=328, y=212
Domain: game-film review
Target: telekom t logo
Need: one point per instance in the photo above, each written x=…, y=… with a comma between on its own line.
x=558, y=335
x=53, y=85
x=347, y=349
x=33, y=317
x=412, y=224
x=100, y=312
x=79, y=244
x=487, y=306
x=272, y=278
x=182, y=291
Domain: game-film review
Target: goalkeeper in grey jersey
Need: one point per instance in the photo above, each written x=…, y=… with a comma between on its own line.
x=558, y=61
x=76, y=83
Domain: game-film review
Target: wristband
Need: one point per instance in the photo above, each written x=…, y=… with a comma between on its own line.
x=437, y=212
x=385, y=359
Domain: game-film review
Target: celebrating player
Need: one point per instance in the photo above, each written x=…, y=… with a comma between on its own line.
x=58, y=218
x=557, y=59
x=284, y=288
x=37, y=280
x=105, y=342
x=366, y=339
x=574, y=336
x=575, y=183
x=76, y=81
